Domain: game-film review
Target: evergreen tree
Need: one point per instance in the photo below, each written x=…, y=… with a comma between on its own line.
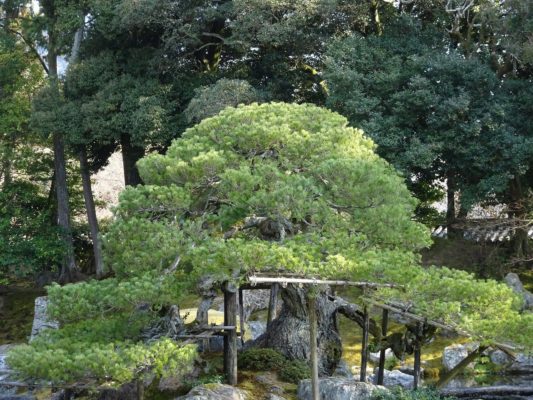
x=272, y=187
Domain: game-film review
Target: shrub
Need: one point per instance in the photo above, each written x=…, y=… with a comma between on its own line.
x=295, y=371
x=261, y=360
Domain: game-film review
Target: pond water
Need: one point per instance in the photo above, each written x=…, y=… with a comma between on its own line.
x=16, y=314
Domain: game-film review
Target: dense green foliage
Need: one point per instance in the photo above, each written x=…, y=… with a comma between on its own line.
x=29, y=243
x=435, y=115
x=444, y=94
x=267, y=187
x=256, y=359
x=294, y=371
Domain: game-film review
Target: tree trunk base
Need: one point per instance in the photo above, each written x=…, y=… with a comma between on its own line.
x=289, y=332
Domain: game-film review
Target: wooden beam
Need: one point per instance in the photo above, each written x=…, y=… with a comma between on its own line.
x=364, y=347
x=382, y=353
x=314, y=350
x=257, y=286
x=219, y=327
x=241, y=315
x=417, y=355
x=256, y=279
x=272, y=304
x=504, y=347
x=230, y=339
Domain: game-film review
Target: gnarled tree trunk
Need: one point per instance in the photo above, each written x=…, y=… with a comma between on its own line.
x=289, y=332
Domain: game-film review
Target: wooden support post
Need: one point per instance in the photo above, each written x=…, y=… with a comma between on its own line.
x=416, y=375
x=230, y=337
x=364, y=348
x=272, y=304
x=459, y=367
x=314, y=349
x=241, y=315
x=384, y=326
x=418, y=354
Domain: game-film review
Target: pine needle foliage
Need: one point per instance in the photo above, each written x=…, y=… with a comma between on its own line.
x=265, y=187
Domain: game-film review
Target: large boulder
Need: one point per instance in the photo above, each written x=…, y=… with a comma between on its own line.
x=256, y=328
x=499, y=357
x=523, y=364
x=513, y=281
x=455, y=353
x=41, y=320
x=214, y=391
x=343, y=370
x=395, y=378
x=339, y=389
x=374, y=357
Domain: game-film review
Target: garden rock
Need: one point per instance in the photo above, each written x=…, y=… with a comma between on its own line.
x=523, y=364
x=257, y=328
x=374, y=357
x=41, y=321
x=395, y=378
x=343, y=370
x=268, y=380
x=214, y=391
x=275, y=397
x=339, y=389
x=513, y=281
x=455, y=353
x=410, y=370
x=499, y=357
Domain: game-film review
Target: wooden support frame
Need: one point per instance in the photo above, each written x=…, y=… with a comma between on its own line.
x=241, y=315
x=382, y=353
x=462, y=364
x=230, y=338
x=417, y=355
x=315, y=390
x=285, y=280
x=364, y=347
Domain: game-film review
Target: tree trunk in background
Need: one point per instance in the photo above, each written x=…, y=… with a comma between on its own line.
x=69, y=269
x=91, y=213
x=130, y=155
x=86, y=174
x=450, y=207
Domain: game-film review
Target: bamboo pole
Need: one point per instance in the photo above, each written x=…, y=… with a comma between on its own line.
x=255, y=279
x=241, y=315
x=364, y=347
x=230, y=338
x=314, y=350
x=417, y=355
x=382, y=353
